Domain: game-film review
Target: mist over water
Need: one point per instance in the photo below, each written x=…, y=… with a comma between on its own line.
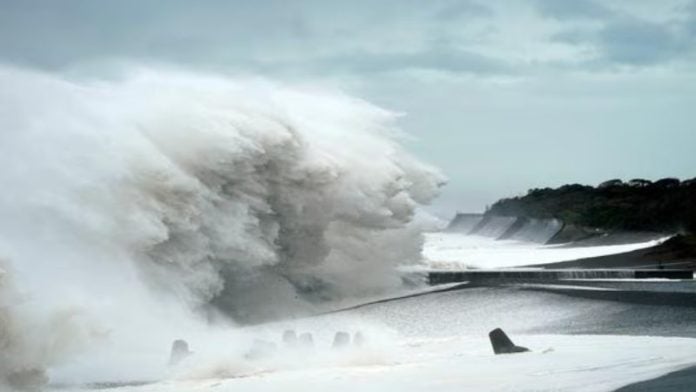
x=139, y=209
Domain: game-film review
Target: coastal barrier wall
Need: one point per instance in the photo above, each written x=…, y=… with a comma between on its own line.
x=506, y=227
x=534, y=230
x=493, y=226
x=501, y=276
x=464, y=222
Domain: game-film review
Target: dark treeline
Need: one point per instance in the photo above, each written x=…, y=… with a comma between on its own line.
x=667, y=205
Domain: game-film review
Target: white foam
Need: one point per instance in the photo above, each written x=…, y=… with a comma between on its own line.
x=456, y=251
x=568, y=363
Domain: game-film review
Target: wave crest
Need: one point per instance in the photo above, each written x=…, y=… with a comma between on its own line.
x=252, y=198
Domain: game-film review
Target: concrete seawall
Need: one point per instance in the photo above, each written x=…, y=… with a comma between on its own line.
x=521, y=275
x=493, y=226
x=464, y=222
x=513, y=228
x=533, y=230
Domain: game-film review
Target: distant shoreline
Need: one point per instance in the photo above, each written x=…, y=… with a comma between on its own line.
x=665, y=206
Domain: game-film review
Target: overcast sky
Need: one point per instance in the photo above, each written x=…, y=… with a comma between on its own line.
x=503, y=96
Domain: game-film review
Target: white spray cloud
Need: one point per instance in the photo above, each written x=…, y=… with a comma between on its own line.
x=162, y=193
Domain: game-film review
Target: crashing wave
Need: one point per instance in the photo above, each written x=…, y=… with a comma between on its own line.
x=162, y=192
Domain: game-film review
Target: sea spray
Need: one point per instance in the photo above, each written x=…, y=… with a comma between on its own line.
x=143, y=207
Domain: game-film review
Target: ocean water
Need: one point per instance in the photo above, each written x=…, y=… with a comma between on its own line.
x=439, y=342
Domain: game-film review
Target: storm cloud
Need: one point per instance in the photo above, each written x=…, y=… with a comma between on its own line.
x=504, y=96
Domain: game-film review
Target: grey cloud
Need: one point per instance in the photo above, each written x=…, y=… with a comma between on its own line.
x=52, y=34
x=621, y=39
x=574, y=36
x=575, y=9
x=322, y=37
x=266, y=36
x=690, y=11
x=460, y=9
x=242, y=34
x=640, y=43
x=634, y=42
x=439, y=59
